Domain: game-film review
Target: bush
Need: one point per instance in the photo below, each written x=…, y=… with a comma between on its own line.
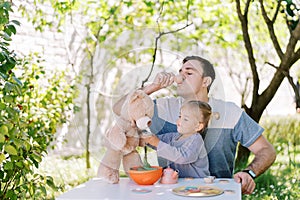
x=281, y=181
x=31, y=108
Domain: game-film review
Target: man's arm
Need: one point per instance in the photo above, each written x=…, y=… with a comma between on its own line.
x=161, y=80
x=265, y=156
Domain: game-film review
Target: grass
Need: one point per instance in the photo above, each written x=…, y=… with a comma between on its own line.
x=280, y=182
x=67, y=172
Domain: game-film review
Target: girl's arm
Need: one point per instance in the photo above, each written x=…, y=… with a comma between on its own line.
x=184, y=154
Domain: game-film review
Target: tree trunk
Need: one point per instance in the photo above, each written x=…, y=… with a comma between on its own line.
x=87, y=148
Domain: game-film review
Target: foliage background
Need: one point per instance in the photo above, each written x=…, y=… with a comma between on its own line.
x=34, y=102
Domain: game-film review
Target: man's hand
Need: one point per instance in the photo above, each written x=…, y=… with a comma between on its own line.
x=264, y=156
x=164, y=79
x=247, y=182
x=161, y=80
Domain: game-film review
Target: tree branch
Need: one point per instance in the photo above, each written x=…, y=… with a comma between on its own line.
x=248, y=45
x=277, y=11
x=296, y=31
x=290, y=79
x=270, y=25
x=297, y=54
x=291, y=56
x=159, y=36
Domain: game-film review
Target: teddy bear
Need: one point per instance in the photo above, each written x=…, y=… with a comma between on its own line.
x=123, y=137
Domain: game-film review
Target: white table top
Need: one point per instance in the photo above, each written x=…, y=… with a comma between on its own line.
x=125, y=189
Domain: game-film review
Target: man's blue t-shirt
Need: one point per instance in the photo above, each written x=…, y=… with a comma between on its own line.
x=228, y=126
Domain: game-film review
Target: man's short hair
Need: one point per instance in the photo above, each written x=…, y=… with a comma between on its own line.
x=208, y=69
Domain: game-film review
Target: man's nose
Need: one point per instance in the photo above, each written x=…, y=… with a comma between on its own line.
x=178, y=79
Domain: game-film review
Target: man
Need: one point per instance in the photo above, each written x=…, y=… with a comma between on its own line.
x=229, y=125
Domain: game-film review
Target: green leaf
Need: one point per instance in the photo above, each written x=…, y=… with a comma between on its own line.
x=2, y=106
x=4, y=76
x=50, y=183
x=37, y=157
x=18, y=90
x=10, y=150
x=8, y=32
x=8, y=88
x=26, y=145
x=8, y=98
x=20, y=164
x=12, y=29
x=7, y=6
x=18, y=143
x=2, y=158
x=8, y=166
x=34, y=161
x=43, y=189
x=6, y=37
x=16, y=22
x=17, y=81
x=13, y=113
x=4, y=48
x=4, y=129
x=2, y=138
x=11, y=195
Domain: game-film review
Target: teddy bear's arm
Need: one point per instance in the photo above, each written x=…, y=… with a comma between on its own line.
x=116, y=137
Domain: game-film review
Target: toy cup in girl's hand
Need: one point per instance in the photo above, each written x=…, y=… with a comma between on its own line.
x=169, y=176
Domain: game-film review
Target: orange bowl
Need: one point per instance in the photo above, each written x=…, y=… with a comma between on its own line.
x=145, y=177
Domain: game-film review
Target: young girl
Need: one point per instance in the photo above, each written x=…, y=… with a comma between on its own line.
x=184, y=150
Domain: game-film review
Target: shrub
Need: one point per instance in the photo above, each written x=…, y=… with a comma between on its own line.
x=281, y=180
x=31, y=108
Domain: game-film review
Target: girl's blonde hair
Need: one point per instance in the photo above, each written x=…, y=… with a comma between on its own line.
x=204, y=110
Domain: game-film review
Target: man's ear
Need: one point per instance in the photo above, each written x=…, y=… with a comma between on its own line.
x=207, y=81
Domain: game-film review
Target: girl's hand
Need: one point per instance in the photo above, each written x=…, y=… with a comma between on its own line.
x=152, y=140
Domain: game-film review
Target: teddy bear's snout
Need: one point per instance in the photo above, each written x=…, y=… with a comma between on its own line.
x=143, y=123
